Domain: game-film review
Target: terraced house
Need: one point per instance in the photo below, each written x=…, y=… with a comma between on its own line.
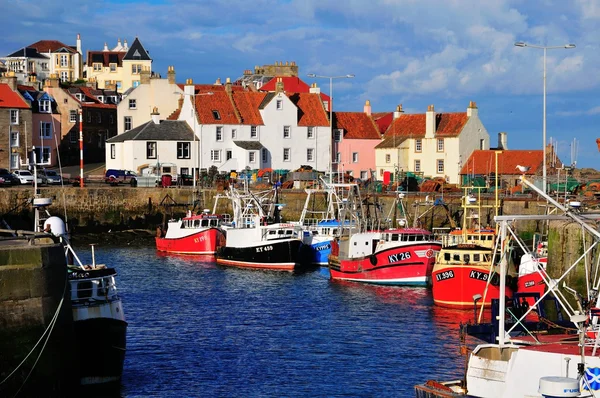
x=433, y=144
x=15, y=124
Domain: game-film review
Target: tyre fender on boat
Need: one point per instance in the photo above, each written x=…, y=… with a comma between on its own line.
x=495, y=280
x=373, y=259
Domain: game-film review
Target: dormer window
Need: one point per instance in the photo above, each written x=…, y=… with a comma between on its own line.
x=79, y=96
x=101, y=98
x=216, y=115
x=45, y=106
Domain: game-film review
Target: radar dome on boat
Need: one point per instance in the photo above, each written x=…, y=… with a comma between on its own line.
x=55, y=225
x=553, y=386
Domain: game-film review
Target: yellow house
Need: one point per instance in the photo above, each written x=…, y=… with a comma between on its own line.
x=432, y=144
x=120, y=67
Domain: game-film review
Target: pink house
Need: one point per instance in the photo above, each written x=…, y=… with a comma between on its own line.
x=355, y=135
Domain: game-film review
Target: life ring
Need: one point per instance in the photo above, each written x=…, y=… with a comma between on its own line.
x=373, y=259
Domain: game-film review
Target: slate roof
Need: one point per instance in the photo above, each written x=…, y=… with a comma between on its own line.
x=484, y=162
x=11, y=99
x=356, y=125
x=137, y=52
x=390, y=142
x=166, y=130
x=249, y=145
x=27, y=52
x=44, y=46
x=91, y=100
x=105, y=58
x=310, y=109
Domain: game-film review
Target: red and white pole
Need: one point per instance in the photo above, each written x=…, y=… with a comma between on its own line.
x=80, y=148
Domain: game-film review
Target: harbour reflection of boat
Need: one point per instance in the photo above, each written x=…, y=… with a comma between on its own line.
x=389, y=294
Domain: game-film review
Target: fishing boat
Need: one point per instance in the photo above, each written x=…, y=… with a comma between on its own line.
x=466, y=271
x=192, y=234
x=320, y=223
x=394, y=256
x=564, y=363
x=257, y=237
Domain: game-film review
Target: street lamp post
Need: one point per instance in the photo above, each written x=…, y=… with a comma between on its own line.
x=349, y=76
x=545, y=48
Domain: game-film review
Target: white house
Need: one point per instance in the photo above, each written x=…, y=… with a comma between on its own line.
x=434, y=144
x=156, y=141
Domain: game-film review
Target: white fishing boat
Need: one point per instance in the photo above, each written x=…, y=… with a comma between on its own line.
x=539, y=364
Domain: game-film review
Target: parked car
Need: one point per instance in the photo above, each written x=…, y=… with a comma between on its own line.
x=50, y=177
x=116, y=177
x=8, y=178
x=24, y=176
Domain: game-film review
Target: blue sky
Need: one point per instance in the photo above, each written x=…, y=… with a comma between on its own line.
x=414, y=53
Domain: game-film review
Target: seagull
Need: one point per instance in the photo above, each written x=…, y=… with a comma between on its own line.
x=523, y=169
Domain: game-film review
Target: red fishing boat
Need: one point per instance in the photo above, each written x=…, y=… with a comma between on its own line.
x=402, y=256
x=193, y=234
x=466, y=271
x=532, y=272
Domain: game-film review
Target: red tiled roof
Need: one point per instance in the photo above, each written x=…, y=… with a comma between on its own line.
x=45, y=46
x=291, y=84
x=22, y=87
x=220, y=102
x=413, y=125
x=247, y=104
x=450, y=124
x=356, y=125
x=174, y=115
x=310, y=109
x=484, y=162
x=407, y=126
x=10, y=98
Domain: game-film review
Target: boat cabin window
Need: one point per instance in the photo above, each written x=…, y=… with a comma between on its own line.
x=395, y=237
x=476, y=257
x=84, y=289
x=272, y=232
x=205, y=223
x=335, y=231
x=446, y=256
x=214, y=222
x=466, y=259
x=456, y=257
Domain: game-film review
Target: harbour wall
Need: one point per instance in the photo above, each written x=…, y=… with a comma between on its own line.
x=33, y=281
x=100, y=209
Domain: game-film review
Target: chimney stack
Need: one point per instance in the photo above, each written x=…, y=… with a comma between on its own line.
x=367, y=107
x=171, y=75
x=51, y=81
x=228, y=88
x=314, y=89
x=78, y=43
x=502, y=140
x=145, y=75
x=155, y=115
x=218, y=82
x=398, y=112
x=430, y=124
x=472, y=109
x=105, y=47
x=279, y=85
x=125, y=44
x=11, y=79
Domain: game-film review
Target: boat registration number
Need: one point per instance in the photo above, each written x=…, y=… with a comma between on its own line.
x=264, y=249
x=482, y=276
x=394, y=258
x=442, y=276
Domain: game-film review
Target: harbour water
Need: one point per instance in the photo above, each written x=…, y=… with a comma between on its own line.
x=197, y=329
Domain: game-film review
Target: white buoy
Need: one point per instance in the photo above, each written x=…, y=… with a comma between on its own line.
x=555, y=387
